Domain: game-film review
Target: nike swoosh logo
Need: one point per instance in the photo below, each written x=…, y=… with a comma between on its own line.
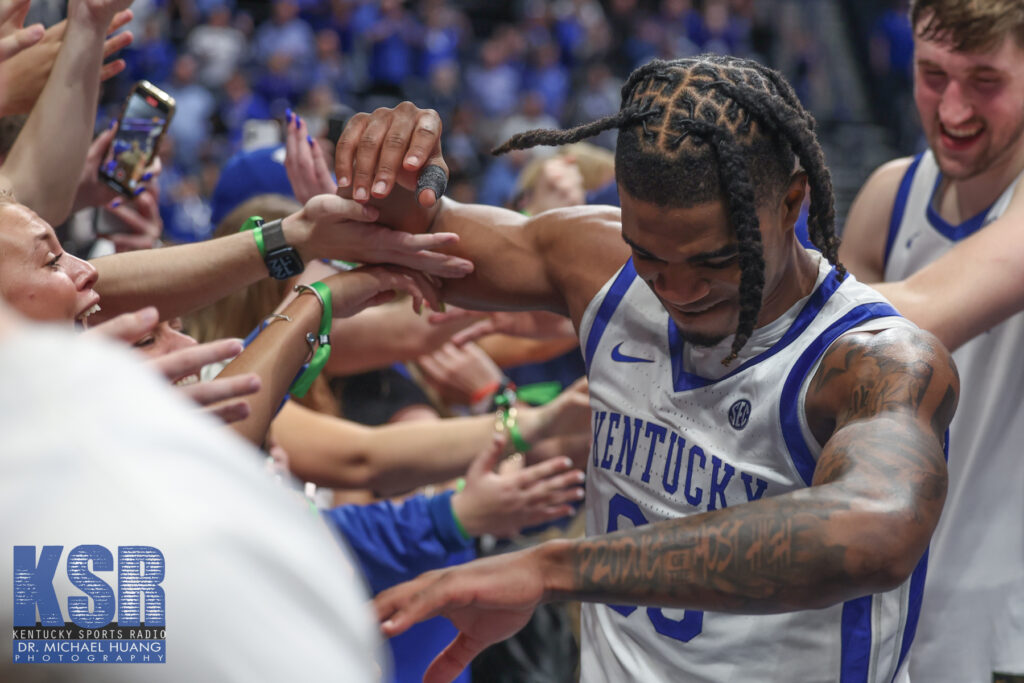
x=623, y=358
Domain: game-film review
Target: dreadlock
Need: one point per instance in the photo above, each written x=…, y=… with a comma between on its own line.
x=704, y=128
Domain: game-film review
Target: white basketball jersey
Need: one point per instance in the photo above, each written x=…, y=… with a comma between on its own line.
x=977, y=552
x=669, y=442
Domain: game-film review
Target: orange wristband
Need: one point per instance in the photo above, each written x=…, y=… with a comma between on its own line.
x=483, y=392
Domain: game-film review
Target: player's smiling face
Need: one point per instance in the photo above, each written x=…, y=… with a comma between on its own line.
x=971, y=104
x=689, y=259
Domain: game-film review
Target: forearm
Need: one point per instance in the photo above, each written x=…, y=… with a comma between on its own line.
x=798, y=551
x=509, y=270
x=276, y=355
x=968, y=291
x=390, y=459
x=180, y=279
x=509, y=351
x=46, y=161
x=382, y=335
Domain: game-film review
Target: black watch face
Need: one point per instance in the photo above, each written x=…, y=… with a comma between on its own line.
x=284, y=264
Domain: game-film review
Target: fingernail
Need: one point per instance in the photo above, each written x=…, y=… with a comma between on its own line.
x=412, y=160
x=360, y=193
x=342, y=181
x=113, y=124
x=288, y=115
x=148, y=176
x=371, y=212
x=379, y=187
x=116, y=203
x=309, y=139
x=148, y=315
x=139, y=191
x=110, y=166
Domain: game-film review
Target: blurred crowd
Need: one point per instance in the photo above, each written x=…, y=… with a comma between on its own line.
x=490, y=69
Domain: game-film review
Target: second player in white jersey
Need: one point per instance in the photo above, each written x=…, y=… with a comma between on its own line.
x=977, y=558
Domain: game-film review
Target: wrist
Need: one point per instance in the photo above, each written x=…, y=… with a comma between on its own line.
x=554, y=560
x=80, y=14
x=297, y=231
x=463, y=517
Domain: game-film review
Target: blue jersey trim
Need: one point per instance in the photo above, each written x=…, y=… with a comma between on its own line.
x=917, y=590
x=953, y=233
x=789, y=417
x=899, y=207
x=855, y=657
x=913, y=609
x=607, y=308
x=685, y=381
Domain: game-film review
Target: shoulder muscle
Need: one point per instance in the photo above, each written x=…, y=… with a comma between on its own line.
x=863, y=247
x=902, y=371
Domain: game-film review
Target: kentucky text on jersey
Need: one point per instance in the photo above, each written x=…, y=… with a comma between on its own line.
x=650, y=452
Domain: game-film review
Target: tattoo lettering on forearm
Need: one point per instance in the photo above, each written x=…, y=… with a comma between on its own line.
x=742, y=558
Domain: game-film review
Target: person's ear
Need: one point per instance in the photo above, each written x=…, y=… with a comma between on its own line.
x=793, y=199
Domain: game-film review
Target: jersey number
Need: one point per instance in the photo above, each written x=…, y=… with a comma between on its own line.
x=685, y=629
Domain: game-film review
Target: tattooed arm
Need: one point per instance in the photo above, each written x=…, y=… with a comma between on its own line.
x=882, y=401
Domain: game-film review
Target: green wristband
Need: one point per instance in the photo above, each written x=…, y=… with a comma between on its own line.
x=255, y=223
x=323, y=351
x=458, y=524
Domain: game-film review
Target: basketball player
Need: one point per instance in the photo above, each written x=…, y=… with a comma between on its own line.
x=767, y=464
x=969, y=90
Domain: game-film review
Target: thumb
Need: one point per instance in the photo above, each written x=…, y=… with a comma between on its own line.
x=453, y=659
x=488, y=458
x=432, y=182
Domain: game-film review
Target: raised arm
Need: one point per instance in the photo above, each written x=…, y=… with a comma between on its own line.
x=555, y=261
x=45, y=162
x=282, y=347
x=396, y=458
x=970, y=289
x=860, y=528
x=180, y=279
x=973, y=287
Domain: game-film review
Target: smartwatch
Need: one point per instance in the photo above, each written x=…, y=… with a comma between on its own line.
x=282, y=259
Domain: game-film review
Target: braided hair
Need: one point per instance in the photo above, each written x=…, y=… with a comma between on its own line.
x=704, y=128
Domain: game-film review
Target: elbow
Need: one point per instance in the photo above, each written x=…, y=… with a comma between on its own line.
x=888, y=556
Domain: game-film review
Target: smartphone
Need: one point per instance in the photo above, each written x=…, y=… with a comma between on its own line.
x=144, y=119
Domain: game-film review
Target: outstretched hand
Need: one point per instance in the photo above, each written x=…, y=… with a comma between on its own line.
x=221, y=397
x=458, y=373
x=14, y=35
x=23, y=75
x=329, y=226
x=354, y=290
x=488, y=600
x=502, y=504
x=304, y=161
x=528, y=324
x=392, y=145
